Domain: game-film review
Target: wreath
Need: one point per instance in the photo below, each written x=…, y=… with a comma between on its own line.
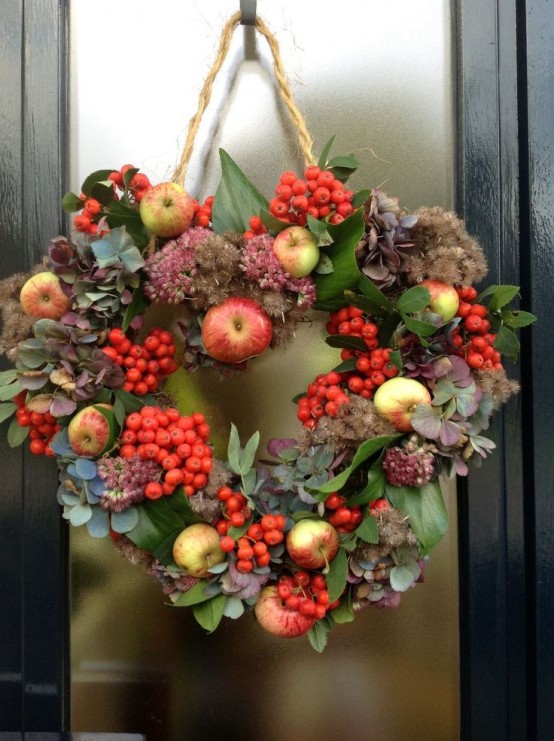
x=345, y=515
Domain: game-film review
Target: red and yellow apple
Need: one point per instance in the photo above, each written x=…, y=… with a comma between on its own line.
x=89, y=431
x=236, y=330
x=42, y=297
x=166, y=209
x=196, y=549
x=444, y=299
x=277, y=619
x=312, y=543
x=297, y=251
x=397, y=399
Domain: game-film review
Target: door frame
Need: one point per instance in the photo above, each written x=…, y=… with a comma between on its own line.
x=505, y=110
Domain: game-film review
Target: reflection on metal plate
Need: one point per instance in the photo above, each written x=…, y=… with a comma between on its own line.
x=379, y=76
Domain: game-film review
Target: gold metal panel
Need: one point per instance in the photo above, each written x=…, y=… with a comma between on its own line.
x=379, y=76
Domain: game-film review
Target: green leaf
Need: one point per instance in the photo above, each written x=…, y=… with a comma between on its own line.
x=360, y=197
x=71, y=203
x=423, y=329
x=103, y=192
x=502, y=296
x=343, y=613
x=363, y=302
x=246, y=457
x=414, y=299
x=336, y=578
x=16, y=434
x=122, y=215
x=238, y=532
x=426, y=510
x=375, y=487
x=317, y=635
x=236, y=199
x=368, y=530
x=365, y=451
x=138, y=305
x=369, y=289
x=6, y=410
x=322, y=161
x=160, y=519
x=318, y=228
x=209, y=613
x=94, y=177
x=516, y=319
x=8, y=392
x=129, y=175
x=347, y=161
x=395, y=357
x=345, y=367
x=324, y=265
x=274, y=224
x=233, y=450
x=113, y=426
x=119, y=411
x=130, y=402
x=346, y=236
x=388, y=328
x=193, y=596
x=345, y=340
x=8, y=376
x=507, y=343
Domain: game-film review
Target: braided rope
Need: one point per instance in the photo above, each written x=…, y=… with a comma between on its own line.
x=304, y=137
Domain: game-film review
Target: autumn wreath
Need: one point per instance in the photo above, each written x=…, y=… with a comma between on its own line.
x=344, y=515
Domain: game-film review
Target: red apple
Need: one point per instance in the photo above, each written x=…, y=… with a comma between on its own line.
x=166, y=210
x=89, y=431
x=297, y=251
x=236, y=330
x=312, y=543
x=196, y=549
x=277, y=619
x=42, y=297
x=397, y=399
x=444, y=299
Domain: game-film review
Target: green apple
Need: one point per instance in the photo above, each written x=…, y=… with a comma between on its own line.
x=396, y=399
x=196, y=549
x=297, y=251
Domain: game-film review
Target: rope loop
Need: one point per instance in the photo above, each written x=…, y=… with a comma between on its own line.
x=304, y=138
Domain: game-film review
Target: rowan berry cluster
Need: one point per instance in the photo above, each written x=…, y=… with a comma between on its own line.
x=324, y=396
x=87, y=220
x=344, y=519
x=378, y=506
x=202, y=212
x=472, y=337
x=144, y=364
x=318, y=194
x=305, y=593
x=178, y=444
x=42, y=427
x=252, y=549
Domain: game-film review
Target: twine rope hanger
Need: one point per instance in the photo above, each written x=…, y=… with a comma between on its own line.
x=304, y=137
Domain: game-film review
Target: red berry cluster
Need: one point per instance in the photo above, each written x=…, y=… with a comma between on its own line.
x=472, y=337
x=344, y=519
x=378, y=506
x=202, y=213
x=178, y=444
x=324, y=396
x=252, y=549
x=306, y=594
x=87, y=220
x=144, y=364
x=43, y=427
x=319, y=194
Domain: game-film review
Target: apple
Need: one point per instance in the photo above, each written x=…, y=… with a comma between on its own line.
x=166, y=209
x=196, y=549
x=444, y=299
x=236, y=330
x=297, y=251
x=277, y=619
x=89, y=431
x=312, y=543
x=396, y=400
x=42, y=297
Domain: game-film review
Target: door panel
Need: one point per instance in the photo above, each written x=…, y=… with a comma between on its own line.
x=380, y=78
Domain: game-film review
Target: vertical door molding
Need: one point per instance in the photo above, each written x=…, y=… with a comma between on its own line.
x=33, y=539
